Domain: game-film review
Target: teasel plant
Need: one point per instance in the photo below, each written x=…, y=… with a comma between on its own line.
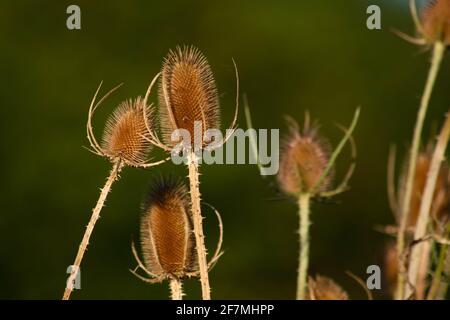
x=124, y=144
x=189, y=101
x=306, y=173
x=167, y=237
x=428, y=221
x=433, y=30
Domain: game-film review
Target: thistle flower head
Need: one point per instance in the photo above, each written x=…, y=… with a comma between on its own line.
x=323, y=288
x=187, y=94
x=435, y=20
x=303, y=161
x=166, y=231
x=125, y=133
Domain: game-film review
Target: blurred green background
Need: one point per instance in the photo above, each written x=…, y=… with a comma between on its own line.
x=292, y=56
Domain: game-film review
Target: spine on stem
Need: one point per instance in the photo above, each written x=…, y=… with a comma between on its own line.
x=302, y=277
x=90, y=228
x=198, y=225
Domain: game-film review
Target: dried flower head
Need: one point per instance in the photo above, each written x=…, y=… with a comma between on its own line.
x=303, y=161
x=435, y=19
x=166, y=231
x=125, y=133
x=323, y=288
x=441, y=200
x=187, y=93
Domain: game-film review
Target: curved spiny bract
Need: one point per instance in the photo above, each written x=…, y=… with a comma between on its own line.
x=125, y=133
x=187, y=94
x=435, y=21
x=303, y=160
x=166, y=231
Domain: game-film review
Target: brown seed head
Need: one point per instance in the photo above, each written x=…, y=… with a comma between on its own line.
x=166, y=232
x=436, y=21
x=124, y=133
x=187, y=93
x=441, y=198
x=304, y=158
x=323, y=288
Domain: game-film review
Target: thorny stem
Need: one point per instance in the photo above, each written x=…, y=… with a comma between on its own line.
x=438, y=53
x=302, y=276
x=176, y=289
x=198, y=227
x=426, y=202
x=436, y=283
x=113, y=176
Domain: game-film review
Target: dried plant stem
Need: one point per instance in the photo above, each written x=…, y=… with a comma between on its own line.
x=436, y=283
x=438, y=52
x=423, y=271
x=198, y=226
x=176, y=289
x=425, y=206
x=302, y=276
x=113, y=176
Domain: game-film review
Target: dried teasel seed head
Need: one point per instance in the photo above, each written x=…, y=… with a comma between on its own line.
x=187, y=94
x=435, y=20
x=303, y=160
x=441, y=200
x=166, y=231
x=323, y=288
x=125, y=132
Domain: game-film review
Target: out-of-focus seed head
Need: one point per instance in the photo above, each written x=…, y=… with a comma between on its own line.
x=441, y=199
x=303, y=160
x=390, y=269
x=187, y=94
x=125, y=133
x=435, y=20
x=323, y=288
x=166, y=231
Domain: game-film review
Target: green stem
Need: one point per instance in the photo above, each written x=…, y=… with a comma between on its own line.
x=438, y=53
x=436, y=283
x=303, y=204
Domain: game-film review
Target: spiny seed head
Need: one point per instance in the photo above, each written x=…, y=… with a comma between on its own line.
x=125, y=133
x=303, y=161
x=323, y=288
x=187, y=94
x=435, y=20
x=441, y=198
x=166, y=230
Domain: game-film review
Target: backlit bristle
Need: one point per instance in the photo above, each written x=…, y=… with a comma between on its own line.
x=166, y=231
x=441, y=198
x=124, y=133
x=304, y=158
x=436, y=21
x=187, y=93
x=323, y=288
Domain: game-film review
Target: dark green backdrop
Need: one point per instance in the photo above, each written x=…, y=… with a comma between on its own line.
x=292, y=56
